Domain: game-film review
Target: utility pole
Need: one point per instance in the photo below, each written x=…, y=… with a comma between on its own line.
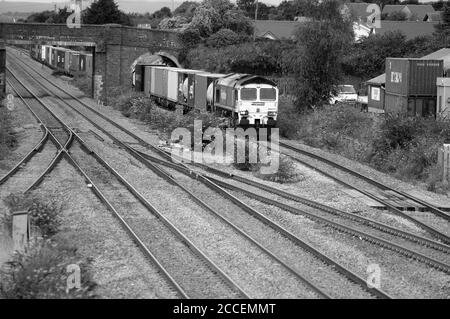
x=256, y=18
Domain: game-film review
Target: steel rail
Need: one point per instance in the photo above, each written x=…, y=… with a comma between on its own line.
x=436, y=233
x=320, y=255
x=61, y=148
x=343, y=228
x=349, y=274
x=170, y=179
x=213, y=266
x=370, y=180
x=36, y=149
x=351, y=216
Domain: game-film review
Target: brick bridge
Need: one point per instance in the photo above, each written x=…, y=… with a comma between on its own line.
x=114, y=47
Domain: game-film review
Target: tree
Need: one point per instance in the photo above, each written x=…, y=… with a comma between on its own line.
x=321, y=44
x=105, y=11
x=442, y=34
x=213, y=15
x=367, y=57
x=186, y=9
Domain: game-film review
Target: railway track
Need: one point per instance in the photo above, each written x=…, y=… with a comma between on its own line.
x=431, y=230
x=90, y=165
x=374, y=224
x=328, y=261
x=30, y=173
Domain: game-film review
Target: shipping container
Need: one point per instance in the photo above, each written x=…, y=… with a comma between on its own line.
x=413, y=77
x=160, y=82
x=172, y=84
x=74, y=62
x=412, y=106
x=82, y=63
x=43, y=53
x=89, y=64
x=139, y=77
x=202, y=82
x=147, y=80
x=2, y=71
x=67, y=55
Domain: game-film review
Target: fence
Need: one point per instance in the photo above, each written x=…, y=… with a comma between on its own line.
x=444, y=161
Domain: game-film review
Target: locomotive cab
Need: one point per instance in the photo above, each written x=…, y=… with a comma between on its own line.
x=253, y=100
x=257, y=104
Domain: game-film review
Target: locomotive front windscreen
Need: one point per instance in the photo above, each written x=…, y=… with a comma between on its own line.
x=268, y=94
x=248, y=94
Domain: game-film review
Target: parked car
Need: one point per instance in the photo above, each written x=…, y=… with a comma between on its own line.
x=345, y=93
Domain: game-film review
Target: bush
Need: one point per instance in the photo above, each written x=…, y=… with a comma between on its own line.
x=83, y=83
x=41, y=272
x=222, y=38
x=7, y=140
x=43, y=215
x=286, y=173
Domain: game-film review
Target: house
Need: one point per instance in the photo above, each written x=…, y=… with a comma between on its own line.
x=433, y=16
x=275, y=29
x=410, y=29
x=279, y=30
x=413, y=12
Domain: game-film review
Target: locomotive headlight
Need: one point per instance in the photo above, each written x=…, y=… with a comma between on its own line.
x=271, y=113
x=243, y=112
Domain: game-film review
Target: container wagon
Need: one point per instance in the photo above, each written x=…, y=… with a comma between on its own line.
x=247, y=100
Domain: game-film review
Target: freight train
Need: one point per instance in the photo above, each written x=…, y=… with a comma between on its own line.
x=63, y=60
x=247, y=100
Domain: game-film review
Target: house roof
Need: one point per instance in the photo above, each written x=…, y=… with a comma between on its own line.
x=410, y=29
x=433, y=16
x=442, y=54
x=279, y=29
x=381, y=79
x=389, y=8
x=418, y=10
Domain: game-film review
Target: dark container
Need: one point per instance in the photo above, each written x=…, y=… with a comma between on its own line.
x=2, y=71
x=60, y=59
x=412, y=106
x=89, y=64
x=82, y=62
x=139, y=78
x=413, y=77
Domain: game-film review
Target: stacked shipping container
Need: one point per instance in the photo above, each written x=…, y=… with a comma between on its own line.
x=411, y=85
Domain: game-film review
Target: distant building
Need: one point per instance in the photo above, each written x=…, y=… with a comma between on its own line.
x=433, y=16
x=410, y=29
x=279, y=30
x=413, y=12
x=275, y=29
